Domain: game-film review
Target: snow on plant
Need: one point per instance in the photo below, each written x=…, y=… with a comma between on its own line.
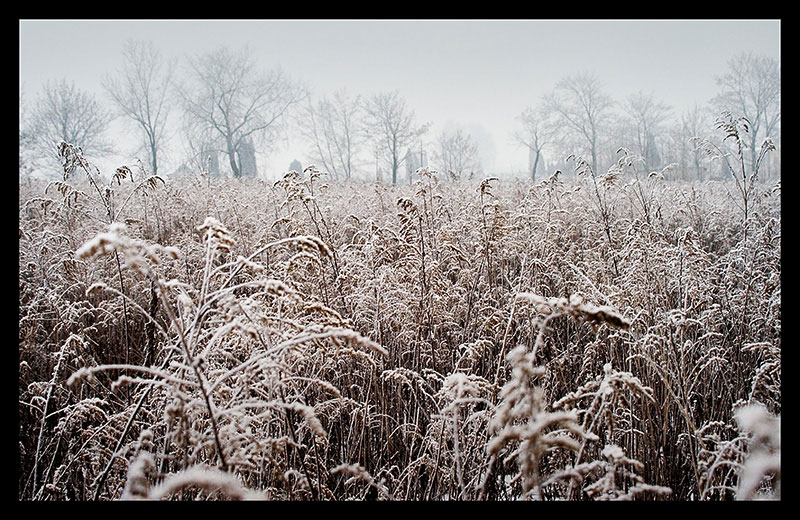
x=196, y=346
x=298, y=340
x=618, y=479
x=522, y=425
x=761, y=473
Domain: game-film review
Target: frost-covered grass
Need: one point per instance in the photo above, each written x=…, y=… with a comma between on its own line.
x=589, y=338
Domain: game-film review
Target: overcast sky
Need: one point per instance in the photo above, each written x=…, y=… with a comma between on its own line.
x=476, y=74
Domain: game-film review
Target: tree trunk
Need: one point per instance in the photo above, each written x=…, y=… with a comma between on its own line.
x=753, y=153
x=232, y=159
x=395, y=163
x=154, y=160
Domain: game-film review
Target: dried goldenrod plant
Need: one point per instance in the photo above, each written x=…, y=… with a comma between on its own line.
x=588, y=337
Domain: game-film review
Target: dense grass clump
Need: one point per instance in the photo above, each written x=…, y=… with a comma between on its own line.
x=589, y=337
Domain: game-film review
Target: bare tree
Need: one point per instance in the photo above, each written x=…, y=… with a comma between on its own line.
x=331, y=127
x=201, y=147
x=646, y=117
x=62, y=112
x=751, y=88
x=581, y=108
x=679, y=143
x=392, y=125
x=457, y=153
x=535, y=134
x=140, y=92
x=415, y=158
x=228, y=96
x=693, y=123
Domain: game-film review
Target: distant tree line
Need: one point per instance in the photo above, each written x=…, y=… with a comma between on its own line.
x=577, y=117
x=228, y=109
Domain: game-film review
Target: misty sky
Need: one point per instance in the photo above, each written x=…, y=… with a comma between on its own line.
x=475, y=74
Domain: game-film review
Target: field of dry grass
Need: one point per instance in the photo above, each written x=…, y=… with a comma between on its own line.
x=583, y=338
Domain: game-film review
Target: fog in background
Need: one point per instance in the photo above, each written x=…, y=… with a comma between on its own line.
x=477, y=75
